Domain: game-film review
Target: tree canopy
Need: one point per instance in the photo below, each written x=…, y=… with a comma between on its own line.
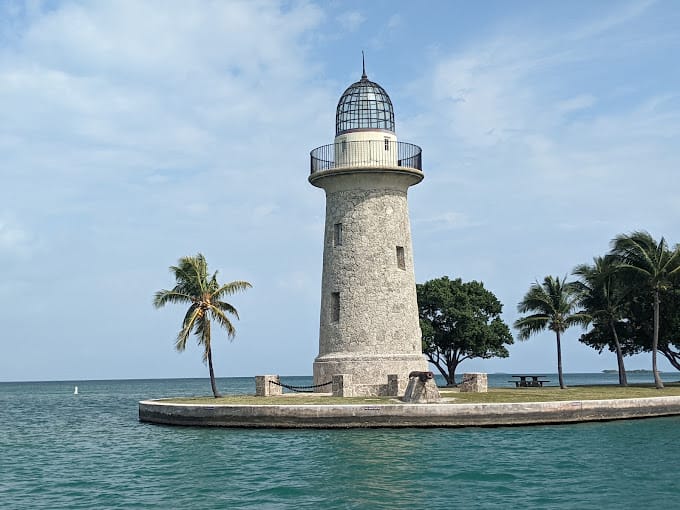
x=650, y=264
x=636, y=328
x=205, y=298
x=632, y=298
x=552, y=305
x=460, y=321
x=604, y=294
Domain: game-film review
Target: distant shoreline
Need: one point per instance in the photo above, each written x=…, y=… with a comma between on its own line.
x=130, y=379
x=638, y=371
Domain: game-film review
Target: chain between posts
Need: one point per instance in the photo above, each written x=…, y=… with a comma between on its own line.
x=301, y=389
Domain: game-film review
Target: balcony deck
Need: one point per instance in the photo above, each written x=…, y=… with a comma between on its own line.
x=366, y=153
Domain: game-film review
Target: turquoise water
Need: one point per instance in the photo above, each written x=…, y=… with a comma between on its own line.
x=59, y=450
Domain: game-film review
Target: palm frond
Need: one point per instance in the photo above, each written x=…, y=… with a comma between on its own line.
x=231, y=288
x=163, y=297
x=578, y=319
x=221, y=318
x=193, y=314
x=553, y=302
x=226, y=308
x=672, y=262
x=636, y=251
x=531, y=324
x=202, y=333
x=535, y=299
x=196, y=286
x=655, y=263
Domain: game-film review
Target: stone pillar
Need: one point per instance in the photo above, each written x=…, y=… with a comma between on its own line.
x=392, y=385
x=267, y=385
x=475, y=382
x=342, y=385
x=421, y=389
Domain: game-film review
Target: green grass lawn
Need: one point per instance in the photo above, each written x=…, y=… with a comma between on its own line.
x=453, y=396
x=552, y=393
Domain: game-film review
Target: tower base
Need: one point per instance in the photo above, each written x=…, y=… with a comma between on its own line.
x=368, y=372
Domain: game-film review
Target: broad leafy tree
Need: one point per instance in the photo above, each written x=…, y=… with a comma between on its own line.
x=599, y=337
x=654, y=266
x=669, y=327
x=204, y=295
x=603, y=296
x=460, y=321
x=636, y=332
x=553, y=305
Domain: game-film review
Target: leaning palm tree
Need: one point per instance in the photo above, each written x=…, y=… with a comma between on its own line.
x=655, y=265
x=555, y=305
x=204, y=296
x=603, y=297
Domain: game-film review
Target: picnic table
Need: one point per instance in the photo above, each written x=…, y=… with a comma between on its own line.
x=528, y=381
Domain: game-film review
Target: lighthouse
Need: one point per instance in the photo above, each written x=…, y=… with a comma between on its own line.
x=369, y=330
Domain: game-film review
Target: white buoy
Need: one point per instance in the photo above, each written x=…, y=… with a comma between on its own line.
x=75, y=391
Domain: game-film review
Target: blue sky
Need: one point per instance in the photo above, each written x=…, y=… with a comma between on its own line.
x=133, y=133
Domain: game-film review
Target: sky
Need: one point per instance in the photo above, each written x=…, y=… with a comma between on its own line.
x=133, y=133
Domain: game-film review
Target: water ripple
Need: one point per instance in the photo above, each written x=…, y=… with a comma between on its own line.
x=62, y=451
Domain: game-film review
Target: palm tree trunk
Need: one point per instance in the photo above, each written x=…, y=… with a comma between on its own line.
x=623, y=380
x=212, y=375
x=559, y=361
x=208, y=349
x=655, y=341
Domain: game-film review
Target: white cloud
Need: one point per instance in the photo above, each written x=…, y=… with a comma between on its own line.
x=549, y=145
x=446, y=221
x=14, y=239
x=264, y=210
x=395, y=21
x=137, y=132
x=98, y=94
x=133, y=133
x=623, y=14
x=351, y=20
x=574, y=104
x=481, y=96
x=299, y=282
x=493, y=99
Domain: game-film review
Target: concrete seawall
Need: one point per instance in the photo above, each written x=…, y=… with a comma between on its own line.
x=404, y=415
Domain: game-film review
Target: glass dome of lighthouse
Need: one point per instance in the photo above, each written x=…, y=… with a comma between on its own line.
x=364, y=105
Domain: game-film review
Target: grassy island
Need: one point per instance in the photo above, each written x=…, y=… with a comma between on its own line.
x=453, y=396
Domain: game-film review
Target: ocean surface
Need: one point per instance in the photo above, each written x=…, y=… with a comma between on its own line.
x=64, y=451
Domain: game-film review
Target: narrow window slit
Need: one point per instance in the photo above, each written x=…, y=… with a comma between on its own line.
x=335, y=306
x=337, y=234
x=401, y=259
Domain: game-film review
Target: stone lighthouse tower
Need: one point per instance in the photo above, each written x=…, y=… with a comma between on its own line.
x=369, y=327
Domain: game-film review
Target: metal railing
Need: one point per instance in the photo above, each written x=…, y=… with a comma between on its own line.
x=366, y=153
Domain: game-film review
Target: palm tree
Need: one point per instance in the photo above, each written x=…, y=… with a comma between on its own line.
x=655, y=266
x=204, y=296
x=602, y=296
x=555, y=304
